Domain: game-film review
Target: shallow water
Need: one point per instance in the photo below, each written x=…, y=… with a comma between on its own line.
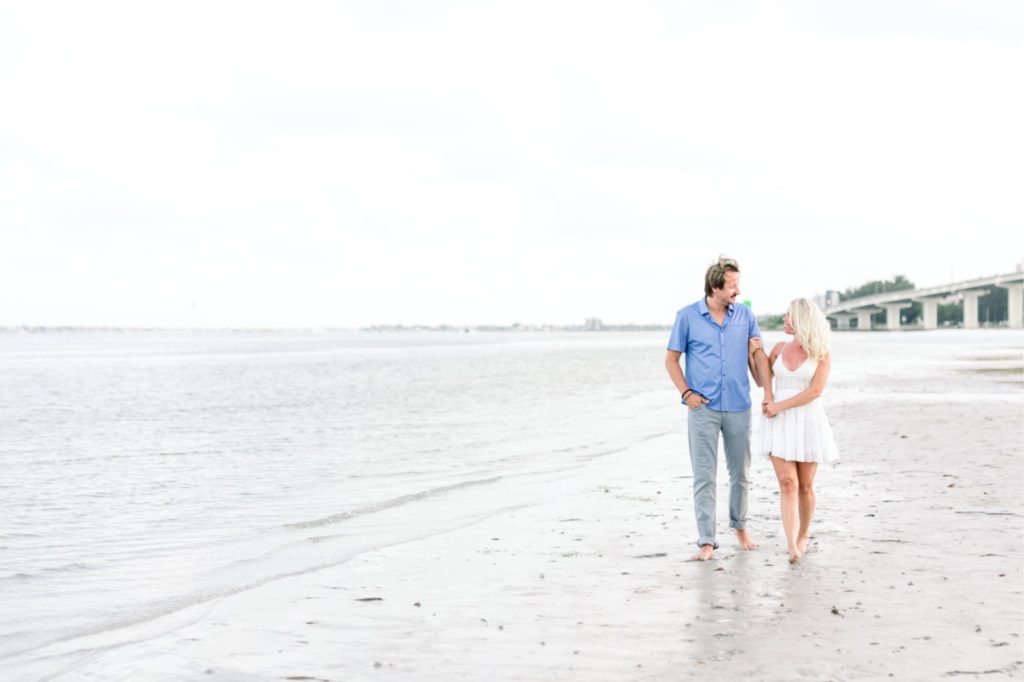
x=145, y=472
x=148, y=471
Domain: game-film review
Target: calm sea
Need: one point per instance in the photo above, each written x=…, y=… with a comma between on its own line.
x=146, y=472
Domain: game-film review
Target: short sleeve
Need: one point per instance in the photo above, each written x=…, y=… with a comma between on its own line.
x=754, y=330
x=680, y=332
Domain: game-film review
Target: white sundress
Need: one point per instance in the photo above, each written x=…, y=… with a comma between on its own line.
x=799, y=434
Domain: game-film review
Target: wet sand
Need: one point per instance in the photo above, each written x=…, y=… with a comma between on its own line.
x=914, y=570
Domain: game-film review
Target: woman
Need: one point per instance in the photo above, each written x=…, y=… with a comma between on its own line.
x=795, y=433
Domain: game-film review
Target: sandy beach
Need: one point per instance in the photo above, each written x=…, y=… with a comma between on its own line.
x=914, y=570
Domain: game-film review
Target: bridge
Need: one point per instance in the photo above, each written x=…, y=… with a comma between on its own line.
x=894, y=302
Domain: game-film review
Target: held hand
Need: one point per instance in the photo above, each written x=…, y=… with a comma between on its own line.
x=770, y=408
x=754, y=344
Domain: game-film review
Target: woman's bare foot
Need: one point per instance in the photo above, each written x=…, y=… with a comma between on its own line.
x=794, y=555
x=801, y=543
x=705, y=553
x=745, y=541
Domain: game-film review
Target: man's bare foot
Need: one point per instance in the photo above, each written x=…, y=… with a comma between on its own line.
x=705, y=553
x=794, y=555
x=801, y=543
x=745, y=542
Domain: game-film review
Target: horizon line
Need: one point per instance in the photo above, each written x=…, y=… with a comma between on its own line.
x=514, y=326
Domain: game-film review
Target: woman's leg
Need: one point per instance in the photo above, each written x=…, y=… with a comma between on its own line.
x=786, y=473
x=805, y=472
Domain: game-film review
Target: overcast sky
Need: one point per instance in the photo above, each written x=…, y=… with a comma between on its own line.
x=351, y=163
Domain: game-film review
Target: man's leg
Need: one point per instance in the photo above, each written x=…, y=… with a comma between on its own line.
x=736, y=436
x=703, y=425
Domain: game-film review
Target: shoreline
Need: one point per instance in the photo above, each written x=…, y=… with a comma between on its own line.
x=911, y=570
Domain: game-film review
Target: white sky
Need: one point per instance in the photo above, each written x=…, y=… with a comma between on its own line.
x=351, y=163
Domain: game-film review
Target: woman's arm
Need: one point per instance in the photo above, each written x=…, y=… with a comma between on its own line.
x=812, y=392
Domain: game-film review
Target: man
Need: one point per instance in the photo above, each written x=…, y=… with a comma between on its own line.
x=720, y=340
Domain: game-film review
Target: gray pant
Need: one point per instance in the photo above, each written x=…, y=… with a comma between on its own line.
x=704, y=425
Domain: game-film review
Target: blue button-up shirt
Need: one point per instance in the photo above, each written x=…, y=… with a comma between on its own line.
x=716, y=355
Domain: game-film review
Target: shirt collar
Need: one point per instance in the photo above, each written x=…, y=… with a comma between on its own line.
x=702, y=307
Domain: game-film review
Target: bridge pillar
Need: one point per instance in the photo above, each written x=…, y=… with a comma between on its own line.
x=930, y=311
x=864, y=318
x=892, y=314
x=971, y=307
x=842, y=320
x=1014, y=304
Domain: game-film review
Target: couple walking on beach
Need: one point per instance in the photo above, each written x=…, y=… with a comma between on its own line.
x=721, y=341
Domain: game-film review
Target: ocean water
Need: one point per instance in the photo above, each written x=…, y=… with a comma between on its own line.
x=147, y=472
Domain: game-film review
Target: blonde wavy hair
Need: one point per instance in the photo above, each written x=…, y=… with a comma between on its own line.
x=810, y=328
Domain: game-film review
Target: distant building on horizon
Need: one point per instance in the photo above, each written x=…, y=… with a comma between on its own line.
x=827, y=300
x=593, y=324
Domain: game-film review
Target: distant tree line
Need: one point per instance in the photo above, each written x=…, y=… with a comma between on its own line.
x=992, y=307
